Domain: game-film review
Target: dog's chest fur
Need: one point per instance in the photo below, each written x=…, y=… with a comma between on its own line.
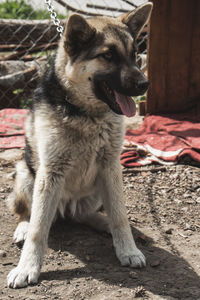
x=77, y=148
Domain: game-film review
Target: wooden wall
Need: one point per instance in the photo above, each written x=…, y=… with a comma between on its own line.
x=174, y=56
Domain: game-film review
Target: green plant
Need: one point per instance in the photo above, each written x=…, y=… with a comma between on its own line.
x=140, y=98
x=17, y=91
x=25, y=103
x=20, y=9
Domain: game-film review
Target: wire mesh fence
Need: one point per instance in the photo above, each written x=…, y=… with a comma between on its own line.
x=29, y=37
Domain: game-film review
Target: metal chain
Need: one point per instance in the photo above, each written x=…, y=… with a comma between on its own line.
x=53, y=16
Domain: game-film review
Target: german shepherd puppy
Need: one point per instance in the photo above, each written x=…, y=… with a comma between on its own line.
x=74, y=134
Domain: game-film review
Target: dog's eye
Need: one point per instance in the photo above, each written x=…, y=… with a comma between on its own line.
x=107, y=55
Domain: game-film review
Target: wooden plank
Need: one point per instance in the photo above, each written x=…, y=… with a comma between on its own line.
x=194, y=80
x=174, y=55
x=179, y=54
x=23, y=53
x=157, y=53
x=100, y=7
x=142, y=108
x=28, y=31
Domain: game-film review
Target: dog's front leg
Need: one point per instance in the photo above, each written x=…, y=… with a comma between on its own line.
x=126, y=250
x=47, y=193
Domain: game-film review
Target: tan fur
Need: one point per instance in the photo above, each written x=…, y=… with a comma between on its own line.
x=77, y=166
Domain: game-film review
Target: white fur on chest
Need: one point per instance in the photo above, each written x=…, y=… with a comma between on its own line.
x=78, y=152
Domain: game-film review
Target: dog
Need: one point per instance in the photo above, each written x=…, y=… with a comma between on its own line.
x=74, y=135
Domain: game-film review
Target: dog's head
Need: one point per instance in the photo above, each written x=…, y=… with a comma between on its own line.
x=96, y=61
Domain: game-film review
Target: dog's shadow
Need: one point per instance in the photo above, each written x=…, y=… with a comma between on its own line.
x=166, y=274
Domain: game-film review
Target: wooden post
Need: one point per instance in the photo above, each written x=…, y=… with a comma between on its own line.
x=174, y=56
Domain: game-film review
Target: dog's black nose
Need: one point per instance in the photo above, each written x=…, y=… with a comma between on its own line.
x=142, y=85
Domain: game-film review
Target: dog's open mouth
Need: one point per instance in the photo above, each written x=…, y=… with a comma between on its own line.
x=119, y=103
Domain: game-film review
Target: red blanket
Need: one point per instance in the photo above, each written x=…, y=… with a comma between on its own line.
x=12, y=128
x=162, y=139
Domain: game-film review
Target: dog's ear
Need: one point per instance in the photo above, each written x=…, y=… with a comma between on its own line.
x=137, y=19
x=77, y=34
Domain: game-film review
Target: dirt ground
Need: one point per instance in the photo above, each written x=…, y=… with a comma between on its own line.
x=163, y=208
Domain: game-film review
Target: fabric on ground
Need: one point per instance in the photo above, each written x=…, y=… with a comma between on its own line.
x=162, y=139
x=12, y=128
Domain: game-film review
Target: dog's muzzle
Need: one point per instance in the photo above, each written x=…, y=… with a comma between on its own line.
x=141, y=86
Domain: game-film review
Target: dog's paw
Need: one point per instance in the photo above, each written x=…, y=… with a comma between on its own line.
x=136, y=259
x=21, y=276
x=21, y=232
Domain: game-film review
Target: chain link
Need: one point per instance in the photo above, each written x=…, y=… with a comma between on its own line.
x=53, y=16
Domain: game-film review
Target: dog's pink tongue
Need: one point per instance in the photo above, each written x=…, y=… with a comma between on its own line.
x=126, y=104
